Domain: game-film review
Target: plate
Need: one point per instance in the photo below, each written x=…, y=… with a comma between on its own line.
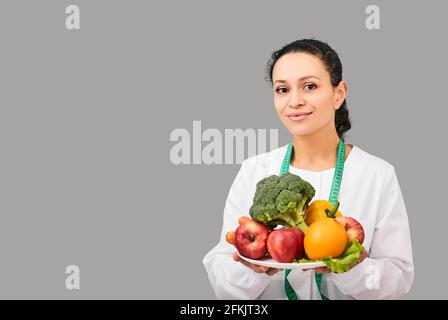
x=271, y=263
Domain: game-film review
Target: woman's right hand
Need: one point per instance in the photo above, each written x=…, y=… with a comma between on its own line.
x=256, y=268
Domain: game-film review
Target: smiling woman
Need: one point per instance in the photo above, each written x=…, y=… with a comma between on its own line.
x=318, y=89
x=310, y=100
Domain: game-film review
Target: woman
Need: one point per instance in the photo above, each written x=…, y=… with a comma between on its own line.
x=309, y=98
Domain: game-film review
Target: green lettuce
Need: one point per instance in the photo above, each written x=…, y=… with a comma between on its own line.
x=349, y=257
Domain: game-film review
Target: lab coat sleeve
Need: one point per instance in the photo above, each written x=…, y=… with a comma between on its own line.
x=230, y=279
x=388, y=271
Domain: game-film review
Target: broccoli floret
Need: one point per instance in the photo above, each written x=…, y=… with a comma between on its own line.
x=281, y=200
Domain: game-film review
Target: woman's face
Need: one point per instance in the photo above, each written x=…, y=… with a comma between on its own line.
x=304, y=97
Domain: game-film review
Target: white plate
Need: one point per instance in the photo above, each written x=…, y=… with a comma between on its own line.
x=271, y=263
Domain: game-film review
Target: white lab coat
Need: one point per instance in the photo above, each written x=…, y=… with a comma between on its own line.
x=369, y=192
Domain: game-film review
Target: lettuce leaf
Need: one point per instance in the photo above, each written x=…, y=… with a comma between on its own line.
x=349, y=257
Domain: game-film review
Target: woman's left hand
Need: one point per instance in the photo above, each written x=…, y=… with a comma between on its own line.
x=326, y=270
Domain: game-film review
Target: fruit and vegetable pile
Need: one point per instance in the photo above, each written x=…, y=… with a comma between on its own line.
x=285, y=225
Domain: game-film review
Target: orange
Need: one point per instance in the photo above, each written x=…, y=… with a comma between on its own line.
x=230, y=237
x=318, y=210
x=325, y=238
x=244, y=219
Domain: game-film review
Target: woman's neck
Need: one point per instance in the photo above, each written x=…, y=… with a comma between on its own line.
x=315, y=152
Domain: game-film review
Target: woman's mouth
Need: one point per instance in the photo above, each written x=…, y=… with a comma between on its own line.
x=298, y=116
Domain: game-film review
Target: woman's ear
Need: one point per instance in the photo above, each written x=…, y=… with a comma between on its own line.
x=341, y=93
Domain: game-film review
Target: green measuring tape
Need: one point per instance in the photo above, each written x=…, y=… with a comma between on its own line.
x=334, y=193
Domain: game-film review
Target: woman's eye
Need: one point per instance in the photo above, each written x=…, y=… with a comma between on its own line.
x=281, y=88
x=310, y=84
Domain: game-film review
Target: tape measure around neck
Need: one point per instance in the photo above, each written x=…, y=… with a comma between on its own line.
x=334, y=193
x=337, y=176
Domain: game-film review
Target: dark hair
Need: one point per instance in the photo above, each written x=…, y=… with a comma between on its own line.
x=333, y=65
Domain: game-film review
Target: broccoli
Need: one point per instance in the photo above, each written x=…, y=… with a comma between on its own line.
x=281, y=200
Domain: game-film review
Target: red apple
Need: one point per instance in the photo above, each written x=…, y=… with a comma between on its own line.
x=250, y=239
x=353, y=227
x=286, y=244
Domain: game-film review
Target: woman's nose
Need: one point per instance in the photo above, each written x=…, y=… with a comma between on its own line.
x=296, y=100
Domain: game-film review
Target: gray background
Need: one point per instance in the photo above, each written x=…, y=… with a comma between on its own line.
x=86, y=115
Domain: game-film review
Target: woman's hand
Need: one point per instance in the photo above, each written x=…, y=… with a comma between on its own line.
x=326, y=270
x=256, y=268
